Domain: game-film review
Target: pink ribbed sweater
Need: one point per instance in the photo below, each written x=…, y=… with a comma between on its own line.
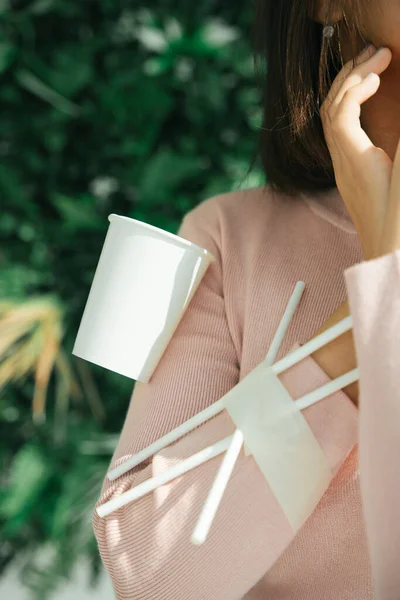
x=349, y=548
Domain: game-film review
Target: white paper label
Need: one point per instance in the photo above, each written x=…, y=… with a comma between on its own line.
x=281, y=442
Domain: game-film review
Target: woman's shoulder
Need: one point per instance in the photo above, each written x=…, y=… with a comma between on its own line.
x=242, y=217
x=238, y=204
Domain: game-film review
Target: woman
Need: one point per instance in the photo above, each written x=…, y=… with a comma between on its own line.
x=330, y=216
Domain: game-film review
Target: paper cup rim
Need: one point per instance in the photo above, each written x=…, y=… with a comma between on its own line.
x=172, y=236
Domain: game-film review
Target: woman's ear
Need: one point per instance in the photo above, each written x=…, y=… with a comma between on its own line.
x=318, y=11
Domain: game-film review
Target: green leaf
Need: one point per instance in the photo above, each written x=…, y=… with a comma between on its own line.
x=29, y=475
x=18, y=280
x=7, y=54
x=12, y=191
x=165, y=172
x=4, y=6
x=81, y=488
x=41, y=7
x=79, y=214
x=72, y=70
x=32, y=83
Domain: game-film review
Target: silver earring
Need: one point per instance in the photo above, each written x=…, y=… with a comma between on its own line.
x=328, y=31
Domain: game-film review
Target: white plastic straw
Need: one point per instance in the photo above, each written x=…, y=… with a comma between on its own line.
x=151, y=484
x=315, y=344
x=285, y=322
x=329, y=388
x=218, y=487
x=167, y=439
x=217, y=490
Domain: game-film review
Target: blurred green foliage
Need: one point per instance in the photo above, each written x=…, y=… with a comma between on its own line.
x=105, y=106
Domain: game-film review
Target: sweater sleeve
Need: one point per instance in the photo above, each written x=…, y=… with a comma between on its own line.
x=145, y=545
x=374, y=299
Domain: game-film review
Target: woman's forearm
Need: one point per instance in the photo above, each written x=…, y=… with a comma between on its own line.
x=338, y=357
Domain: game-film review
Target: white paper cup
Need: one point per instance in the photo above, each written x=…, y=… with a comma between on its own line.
x=144, y=282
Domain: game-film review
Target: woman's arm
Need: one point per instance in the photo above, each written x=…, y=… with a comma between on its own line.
x=146, y=544
x=369, y=182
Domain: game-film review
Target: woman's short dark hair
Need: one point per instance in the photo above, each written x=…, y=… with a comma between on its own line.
x=300, y=67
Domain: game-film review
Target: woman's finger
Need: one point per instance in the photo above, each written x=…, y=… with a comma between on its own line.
x=344, y=129
x=346, y=125
x=366, y=62
x=344, y=74
x=377, y=63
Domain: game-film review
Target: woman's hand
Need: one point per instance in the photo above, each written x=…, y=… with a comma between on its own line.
x=367, y=179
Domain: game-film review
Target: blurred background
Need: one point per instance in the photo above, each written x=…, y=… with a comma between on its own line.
x=142, y=109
